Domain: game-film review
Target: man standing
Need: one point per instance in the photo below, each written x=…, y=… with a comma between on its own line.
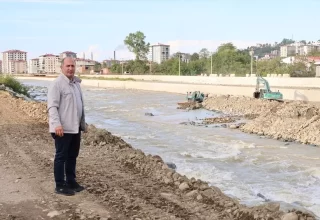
x=66, y=121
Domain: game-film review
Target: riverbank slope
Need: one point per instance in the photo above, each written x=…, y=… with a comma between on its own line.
x=122, y=182
x=288, y=121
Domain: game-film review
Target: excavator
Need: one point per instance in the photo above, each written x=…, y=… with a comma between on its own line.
x=195, y=96
x=266, y=93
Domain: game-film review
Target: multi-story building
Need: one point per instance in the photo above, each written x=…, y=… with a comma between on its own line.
x=18, y=66
x=288, y=50
x=159, y=53
x=33, y=65
x=109, y=63
x=84, y=65
x=185, y=57
x=14, y=61
x=68, y=54
x=49, y=63
x=0, y=66
x=307, y=49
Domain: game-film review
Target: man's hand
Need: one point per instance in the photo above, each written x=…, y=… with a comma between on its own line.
x=59, y=131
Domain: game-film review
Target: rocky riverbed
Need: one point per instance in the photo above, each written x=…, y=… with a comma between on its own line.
x=122, y=182
x=287, y=121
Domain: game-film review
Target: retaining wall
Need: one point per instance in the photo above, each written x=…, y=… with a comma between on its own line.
x=295, y=93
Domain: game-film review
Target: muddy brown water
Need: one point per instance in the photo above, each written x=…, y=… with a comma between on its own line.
x=241, y=165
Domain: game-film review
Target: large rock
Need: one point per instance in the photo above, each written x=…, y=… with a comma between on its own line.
x=290, y=216
x=184, y=186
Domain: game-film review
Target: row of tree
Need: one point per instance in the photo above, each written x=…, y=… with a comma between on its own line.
x=227, y=60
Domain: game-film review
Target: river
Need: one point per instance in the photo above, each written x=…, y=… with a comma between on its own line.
x=241, y=165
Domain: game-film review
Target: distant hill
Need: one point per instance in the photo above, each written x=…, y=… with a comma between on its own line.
x=261, y=50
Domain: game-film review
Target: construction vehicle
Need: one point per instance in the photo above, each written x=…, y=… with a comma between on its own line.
x=196, y=96
x=266, y=93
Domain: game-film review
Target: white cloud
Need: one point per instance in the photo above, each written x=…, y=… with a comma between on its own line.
x=191, y=46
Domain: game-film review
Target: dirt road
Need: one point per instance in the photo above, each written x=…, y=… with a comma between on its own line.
x=121, y=182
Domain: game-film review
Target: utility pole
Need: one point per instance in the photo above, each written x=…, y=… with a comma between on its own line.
x=179, y=63
x=150, y=67
x=211, y=63
x=251, y=54
x=122, y=67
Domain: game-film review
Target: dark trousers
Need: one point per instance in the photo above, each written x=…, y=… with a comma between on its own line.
x=67, y=151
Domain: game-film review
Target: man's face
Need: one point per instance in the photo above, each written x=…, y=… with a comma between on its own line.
x=68, y=68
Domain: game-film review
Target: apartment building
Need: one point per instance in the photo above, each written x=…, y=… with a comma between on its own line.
x=49, y=64
x=68, y=54
x=185, y=57
x=109, y=63
x=14, y=61
x=159, y=53
x=33, y=65
x=307, y=49
x=0, y=66
x=288, y=50
x=84, y=65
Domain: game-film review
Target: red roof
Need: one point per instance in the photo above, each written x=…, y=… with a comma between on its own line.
x=49, y=55
x=14, y=51
x=69, y=52
x=315, y=59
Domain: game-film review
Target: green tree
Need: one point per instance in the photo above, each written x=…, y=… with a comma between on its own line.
x=137, y=45
x=116, y=68
x=227, y=46
x=97, y=67
x=204, y=53
x=194, y=56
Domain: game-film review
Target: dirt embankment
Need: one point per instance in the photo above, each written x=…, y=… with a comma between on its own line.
x=287, y=121
x=121, y=182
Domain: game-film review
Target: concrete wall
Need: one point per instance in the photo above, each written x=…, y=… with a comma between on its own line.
x=245, y=81
x=305, y=94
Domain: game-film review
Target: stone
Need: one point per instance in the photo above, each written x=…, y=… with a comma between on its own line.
x=148, y=114
x=2, y=87
x=167, y=180
x=273, y=207
x=171, y=165
x=192, y=193
x=184, y=186
x=53, y=214
x=233, y=126
x=290, y=216
x=204, y=186
x=175, y=176
x=208, y=193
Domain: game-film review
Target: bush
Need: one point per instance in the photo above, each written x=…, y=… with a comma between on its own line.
x=14, y=84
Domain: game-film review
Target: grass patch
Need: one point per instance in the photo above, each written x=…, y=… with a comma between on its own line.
x=108, y=78
x=14, y=84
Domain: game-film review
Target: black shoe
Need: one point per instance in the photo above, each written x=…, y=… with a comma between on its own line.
x=64, y=190
x=75, y=187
